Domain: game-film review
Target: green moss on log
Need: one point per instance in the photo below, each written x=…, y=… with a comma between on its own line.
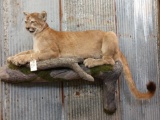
x=44, y=74
x=22, y=69
x=100, y=69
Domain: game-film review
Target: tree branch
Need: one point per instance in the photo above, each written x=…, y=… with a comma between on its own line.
x=65, y=62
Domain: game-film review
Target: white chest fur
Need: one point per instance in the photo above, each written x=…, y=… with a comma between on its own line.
x=35, y=45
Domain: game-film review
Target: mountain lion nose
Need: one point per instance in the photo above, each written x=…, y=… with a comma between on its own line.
x=27, y=28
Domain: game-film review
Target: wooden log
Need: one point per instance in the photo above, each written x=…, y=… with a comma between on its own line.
x=67, y=69
x=48, y=70
x=109, y=87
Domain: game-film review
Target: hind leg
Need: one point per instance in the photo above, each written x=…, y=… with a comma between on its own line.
x=109, y=50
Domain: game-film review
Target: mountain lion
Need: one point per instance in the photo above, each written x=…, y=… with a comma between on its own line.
x=95, y=46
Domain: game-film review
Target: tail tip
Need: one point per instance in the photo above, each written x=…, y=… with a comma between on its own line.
x=151, y=87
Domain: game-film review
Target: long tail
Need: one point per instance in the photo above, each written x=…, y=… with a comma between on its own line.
x=151, y=87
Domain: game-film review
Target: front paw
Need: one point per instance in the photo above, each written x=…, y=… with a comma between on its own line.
x=19, y=60
x=10, y=59
x=89, y=62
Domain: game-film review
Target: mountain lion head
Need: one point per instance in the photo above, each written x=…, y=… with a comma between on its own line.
x=35, y=22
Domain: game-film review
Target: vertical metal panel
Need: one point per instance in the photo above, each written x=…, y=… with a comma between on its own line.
x=27, y=102
x=31, y=102
x=137, y=32
x=1, y=50
x=1, y=32
x=4, y=26
x=88, y=14
x=83, y=100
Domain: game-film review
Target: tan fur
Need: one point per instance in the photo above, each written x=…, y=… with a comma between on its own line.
x=97, y=47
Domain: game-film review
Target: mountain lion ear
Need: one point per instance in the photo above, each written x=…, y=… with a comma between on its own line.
x=43, y=15
x=25, y=13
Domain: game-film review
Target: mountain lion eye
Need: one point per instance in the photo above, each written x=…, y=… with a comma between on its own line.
x=33, y=21
x=25, y=21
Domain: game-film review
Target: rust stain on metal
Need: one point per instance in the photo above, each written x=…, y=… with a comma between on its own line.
x=62, y=93
x=77, y=93
x=70, y=18
x=60, y=28
x=60, y=14
x=115, y=16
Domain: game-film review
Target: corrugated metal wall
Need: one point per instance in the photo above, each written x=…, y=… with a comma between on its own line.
x=136, y=24
x=137, y=30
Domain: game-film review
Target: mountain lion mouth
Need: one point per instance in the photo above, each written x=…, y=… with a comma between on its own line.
x=31, y=30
